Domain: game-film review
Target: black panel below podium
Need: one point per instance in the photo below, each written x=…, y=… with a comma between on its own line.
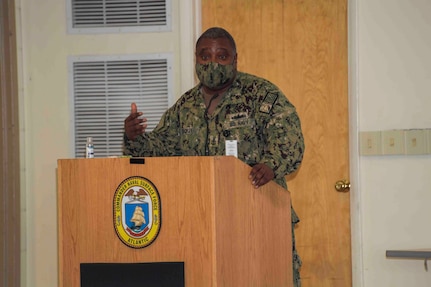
x=157, y=274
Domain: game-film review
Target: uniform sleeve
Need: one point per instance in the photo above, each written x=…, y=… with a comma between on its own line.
x=162, y=141
x=284, y=148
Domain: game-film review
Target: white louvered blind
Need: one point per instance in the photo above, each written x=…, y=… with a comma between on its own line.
x=105, y=16
x=102, y=90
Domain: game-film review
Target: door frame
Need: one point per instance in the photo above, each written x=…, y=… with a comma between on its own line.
x=353, y=94
x=10, y=237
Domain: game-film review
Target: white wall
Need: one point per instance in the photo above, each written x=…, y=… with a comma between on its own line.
x=43, y=48
x=392, y=66
x=393, y=82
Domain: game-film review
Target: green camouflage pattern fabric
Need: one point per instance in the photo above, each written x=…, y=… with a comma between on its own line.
x=254, y=112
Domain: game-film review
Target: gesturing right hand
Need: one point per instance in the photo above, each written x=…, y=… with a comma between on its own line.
x=133, y=125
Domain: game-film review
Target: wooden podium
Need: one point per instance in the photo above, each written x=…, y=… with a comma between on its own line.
x=226, y=232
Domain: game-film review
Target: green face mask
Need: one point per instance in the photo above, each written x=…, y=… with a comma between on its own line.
x=214, y=75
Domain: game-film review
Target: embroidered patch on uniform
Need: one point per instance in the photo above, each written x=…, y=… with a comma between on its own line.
x=137, y=212
x=268, y=102
x=237, y=120
x=237, y=116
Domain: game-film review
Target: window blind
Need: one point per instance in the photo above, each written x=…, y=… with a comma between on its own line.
x=102, y=91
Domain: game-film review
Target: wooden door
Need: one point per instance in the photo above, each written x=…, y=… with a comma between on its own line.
x=301, y=46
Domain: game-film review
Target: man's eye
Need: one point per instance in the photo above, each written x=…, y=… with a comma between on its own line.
x=222, y=57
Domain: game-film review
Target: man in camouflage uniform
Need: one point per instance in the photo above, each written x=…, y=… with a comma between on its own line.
x=226, y=106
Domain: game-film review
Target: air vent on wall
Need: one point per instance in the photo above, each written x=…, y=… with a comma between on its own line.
x=102, y=89
x=117, y=16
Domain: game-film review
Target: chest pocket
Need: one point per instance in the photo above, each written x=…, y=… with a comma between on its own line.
x=239, y=126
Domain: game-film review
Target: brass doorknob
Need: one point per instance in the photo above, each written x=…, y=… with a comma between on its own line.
x=342, y=185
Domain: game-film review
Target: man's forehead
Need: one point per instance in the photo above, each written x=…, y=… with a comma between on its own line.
x=217, y=43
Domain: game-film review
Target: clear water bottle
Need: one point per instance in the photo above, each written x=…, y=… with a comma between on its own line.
x=89, y=148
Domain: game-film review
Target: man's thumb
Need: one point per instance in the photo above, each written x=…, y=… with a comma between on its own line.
x=134, y=108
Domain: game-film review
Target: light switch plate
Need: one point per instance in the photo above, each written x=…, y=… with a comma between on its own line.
x=370, y=143
x=393, y=142
x=415, y=141
x=427, y=135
